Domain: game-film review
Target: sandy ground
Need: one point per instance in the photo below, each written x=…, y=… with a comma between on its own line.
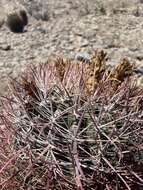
x=66, y=27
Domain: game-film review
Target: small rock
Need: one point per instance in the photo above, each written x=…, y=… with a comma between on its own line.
x=139, y=57
x=83, y=57
x=139, y=70
x=5, y=47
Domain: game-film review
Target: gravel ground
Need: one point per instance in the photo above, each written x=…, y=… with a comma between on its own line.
x=66, y=27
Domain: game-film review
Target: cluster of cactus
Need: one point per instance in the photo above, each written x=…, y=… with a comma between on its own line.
x=71, y=125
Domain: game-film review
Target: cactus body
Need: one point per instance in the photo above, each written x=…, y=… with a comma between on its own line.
x=66, y=133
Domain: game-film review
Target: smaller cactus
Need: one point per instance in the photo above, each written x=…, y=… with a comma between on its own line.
x=17, y=21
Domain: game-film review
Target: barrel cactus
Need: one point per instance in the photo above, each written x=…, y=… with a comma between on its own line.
x=73, y=125
x=16, y=21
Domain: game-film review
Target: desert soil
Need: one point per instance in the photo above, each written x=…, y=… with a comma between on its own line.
x=68, y=27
